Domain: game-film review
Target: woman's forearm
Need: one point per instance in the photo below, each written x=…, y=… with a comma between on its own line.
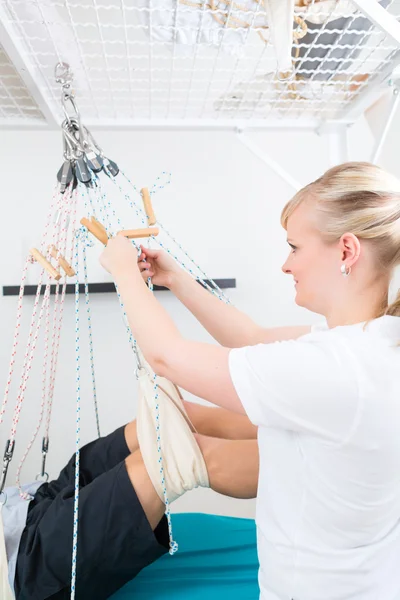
x=224, y=322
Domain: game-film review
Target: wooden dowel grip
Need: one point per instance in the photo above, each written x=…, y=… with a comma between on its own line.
x=68, y=270
x=98, y=231
x=98, y=224
x=148, y=208
x=139, y=233
x=38, y=256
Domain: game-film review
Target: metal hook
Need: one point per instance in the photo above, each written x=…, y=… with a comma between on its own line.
x=65, y=97
x=63, y=74
x=8, y=454
x=83, y=137
x=45, y=448
x=138, y=370
x=138, y=361
x=3, y=478
x=68, y=151
x=73, y=143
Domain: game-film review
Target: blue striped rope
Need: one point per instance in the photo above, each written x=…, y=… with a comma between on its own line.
x=212, y=287
x=91, y=351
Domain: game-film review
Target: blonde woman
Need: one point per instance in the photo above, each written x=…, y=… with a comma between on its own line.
x=326, y=401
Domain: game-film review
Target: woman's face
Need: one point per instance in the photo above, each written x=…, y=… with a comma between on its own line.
x=313, y=263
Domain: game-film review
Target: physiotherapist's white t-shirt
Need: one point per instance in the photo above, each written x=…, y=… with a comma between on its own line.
x=328, y=511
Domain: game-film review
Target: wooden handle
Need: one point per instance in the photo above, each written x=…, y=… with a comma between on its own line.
x=68, y=270
x=38, y=256
x=96, y=229
x=139, y=233
x=148, y=208
x=98, y=224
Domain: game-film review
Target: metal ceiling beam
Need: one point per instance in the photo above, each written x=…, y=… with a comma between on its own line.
x=16, y=123
x=30, y=77
x=386, y=126
x=226, y=124
x=380, y=81
x=387, y=23
x=229, y=125
x=381, y=18
x=268, y=160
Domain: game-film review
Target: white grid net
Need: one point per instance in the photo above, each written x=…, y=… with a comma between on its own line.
x=199, y=59
x=15, y=99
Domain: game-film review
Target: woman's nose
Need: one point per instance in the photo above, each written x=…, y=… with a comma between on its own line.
x=285, y=268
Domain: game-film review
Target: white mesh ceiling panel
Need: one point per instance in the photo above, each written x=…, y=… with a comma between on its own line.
x=192, y=61
x=16, y=101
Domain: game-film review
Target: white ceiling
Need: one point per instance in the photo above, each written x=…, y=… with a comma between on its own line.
x=129, y=70
x=15, y=98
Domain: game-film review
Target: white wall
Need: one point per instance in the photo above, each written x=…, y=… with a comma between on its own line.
x=223, y=205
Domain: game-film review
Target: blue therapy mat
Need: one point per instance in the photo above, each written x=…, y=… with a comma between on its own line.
x=217, y=559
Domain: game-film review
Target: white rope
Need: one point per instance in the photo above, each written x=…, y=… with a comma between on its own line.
x=77, y=422
x=59, y=240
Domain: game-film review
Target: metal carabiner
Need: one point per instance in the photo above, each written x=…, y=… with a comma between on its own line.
x=8, y=454
x=74, y=144
x=3, y=478
x=65, y=97
x=95, y=162
x=63, y=75
x=81, y=130
x=68, y=151
x=70, y=128
x=138, y=371
x=94, y=143
x=139, y=366
x=138, y=361
x=93, y=153
x=45, y=449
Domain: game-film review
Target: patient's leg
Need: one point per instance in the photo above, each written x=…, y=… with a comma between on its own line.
x=232, y=465
x=209, y=421
x=172, y=457
x=153, y=507
x=220, y=423
x=131, y=436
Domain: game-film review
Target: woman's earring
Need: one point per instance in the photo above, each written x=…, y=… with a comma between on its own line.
x=345, y=270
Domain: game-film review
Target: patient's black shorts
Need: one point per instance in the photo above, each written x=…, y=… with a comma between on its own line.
x=115, y=540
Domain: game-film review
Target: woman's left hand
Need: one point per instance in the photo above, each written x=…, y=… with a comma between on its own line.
x=119, y=256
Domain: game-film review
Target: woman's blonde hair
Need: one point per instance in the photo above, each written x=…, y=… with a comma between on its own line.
x=358, y=198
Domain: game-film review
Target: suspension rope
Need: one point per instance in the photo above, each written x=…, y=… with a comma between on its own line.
x=59, y=239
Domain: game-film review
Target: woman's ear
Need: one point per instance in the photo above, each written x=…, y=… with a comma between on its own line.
x=350, y=248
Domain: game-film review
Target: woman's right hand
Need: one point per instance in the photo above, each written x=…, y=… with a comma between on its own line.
x=158, y=265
